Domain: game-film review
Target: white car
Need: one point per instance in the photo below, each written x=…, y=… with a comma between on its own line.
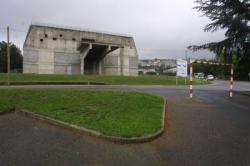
x=199, y=76
x=210, y=77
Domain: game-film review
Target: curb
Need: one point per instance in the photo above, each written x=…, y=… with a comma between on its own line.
x=12, y=110
x=53, y=83
x=121, y=140
x=242, y=93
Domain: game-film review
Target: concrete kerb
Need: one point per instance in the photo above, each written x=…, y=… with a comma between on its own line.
x=97, y=134
x=53, y=83
x=245, y=93
x=12, y=110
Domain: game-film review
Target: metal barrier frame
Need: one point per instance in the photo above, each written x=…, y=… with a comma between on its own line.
x=210, y=63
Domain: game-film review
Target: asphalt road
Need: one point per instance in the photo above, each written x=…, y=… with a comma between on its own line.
x=211, y=129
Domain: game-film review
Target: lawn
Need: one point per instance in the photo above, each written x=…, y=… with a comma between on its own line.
x=113, y=113
x=111, y=80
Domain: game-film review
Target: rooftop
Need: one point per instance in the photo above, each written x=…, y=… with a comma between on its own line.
x=78, y=29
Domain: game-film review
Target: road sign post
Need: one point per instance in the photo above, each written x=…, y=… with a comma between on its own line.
x=181, y=67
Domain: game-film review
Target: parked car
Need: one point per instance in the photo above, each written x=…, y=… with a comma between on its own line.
x=210, y=77
x=199, y=76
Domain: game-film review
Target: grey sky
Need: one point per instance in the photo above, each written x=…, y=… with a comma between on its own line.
x=161, y=28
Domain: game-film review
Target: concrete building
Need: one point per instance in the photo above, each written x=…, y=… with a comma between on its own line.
x=50, y=49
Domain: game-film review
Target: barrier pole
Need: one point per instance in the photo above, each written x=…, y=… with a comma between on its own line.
x=191, y=81
x=231, y=80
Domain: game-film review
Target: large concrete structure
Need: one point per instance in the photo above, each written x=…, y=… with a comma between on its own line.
x=59, y=50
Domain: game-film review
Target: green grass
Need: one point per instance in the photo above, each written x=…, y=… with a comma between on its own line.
x=115, y=113
x=111, y=80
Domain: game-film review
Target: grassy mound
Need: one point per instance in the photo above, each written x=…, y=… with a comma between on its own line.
x=114, y=113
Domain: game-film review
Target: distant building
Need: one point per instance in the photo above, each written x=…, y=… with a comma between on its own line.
x=170, y=71
x=150, y=65
x=168, y=62
x=50, y=49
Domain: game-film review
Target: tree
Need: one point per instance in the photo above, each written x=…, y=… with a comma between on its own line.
x=16, y=58
x=233, y=16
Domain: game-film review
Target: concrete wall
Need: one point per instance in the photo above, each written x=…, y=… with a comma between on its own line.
x=51, y=50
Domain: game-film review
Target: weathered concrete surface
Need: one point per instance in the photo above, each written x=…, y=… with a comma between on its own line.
x=211, y=129
x=50, y=49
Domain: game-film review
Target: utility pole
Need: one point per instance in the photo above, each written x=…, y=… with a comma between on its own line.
x=8, y=54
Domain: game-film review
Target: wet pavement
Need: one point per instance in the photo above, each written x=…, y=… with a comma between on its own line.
x=211, y=129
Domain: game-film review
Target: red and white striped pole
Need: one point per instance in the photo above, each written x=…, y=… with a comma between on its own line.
x=231, y=80
x=191, y=81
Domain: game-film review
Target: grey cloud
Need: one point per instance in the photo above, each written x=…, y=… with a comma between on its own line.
x=161, y=28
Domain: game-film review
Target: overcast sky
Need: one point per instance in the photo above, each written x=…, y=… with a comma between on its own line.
x=161, y=28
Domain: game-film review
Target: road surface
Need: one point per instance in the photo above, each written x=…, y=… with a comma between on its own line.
x=212, y=129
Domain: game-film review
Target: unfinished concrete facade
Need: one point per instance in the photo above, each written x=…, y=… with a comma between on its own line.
x=58, y=50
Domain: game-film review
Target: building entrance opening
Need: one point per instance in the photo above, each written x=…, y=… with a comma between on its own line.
x=92, y=56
